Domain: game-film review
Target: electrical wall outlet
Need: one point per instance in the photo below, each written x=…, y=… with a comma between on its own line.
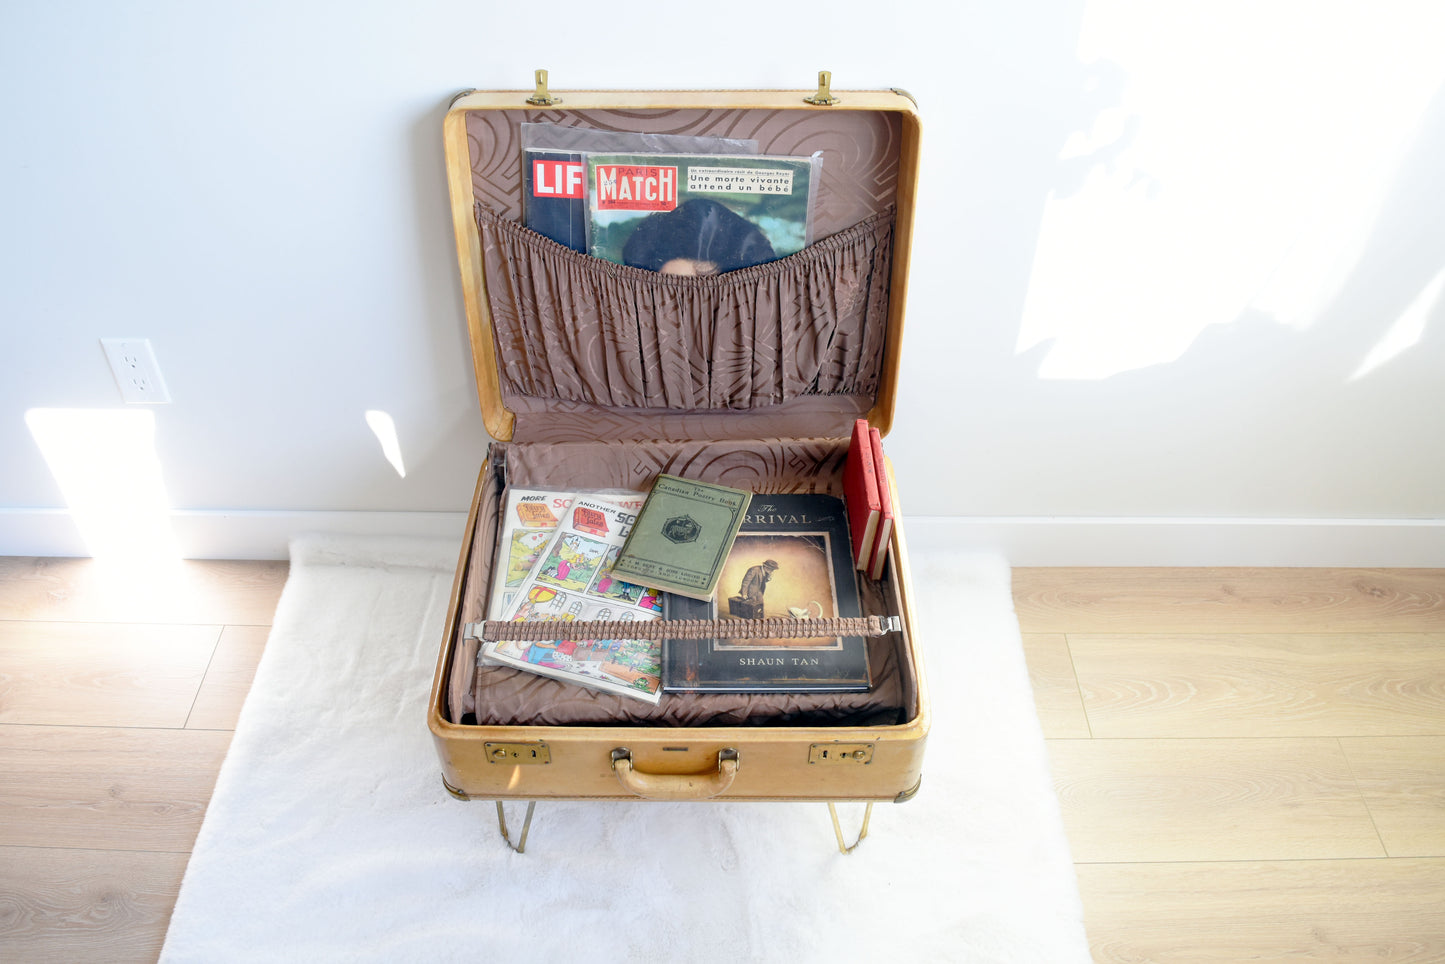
x=136, y=372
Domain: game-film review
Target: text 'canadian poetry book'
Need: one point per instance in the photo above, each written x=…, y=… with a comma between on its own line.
x=791, y=560
x=682, y=536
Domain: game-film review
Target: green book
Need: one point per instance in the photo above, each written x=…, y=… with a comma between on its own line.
x=682, y=536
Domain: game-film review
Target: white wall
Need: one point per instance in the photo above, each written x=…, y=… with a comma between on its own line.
x=1117, y=324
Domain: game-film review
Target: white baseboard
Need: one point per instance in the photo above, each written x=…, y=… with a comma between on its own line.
x=238, y=534
x=1404, y=543
x=1376, y=543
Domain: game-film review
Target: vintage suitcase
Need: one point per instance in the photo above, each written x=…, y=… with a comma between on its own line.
x=592, y=375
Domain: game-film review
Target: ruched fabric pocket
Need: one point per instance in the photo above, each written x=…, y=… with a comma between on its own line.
x=576, y=328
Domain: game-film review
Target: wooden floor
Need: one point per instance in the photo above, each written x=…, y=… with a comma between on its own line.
x=118, y=695
x=1250, y=763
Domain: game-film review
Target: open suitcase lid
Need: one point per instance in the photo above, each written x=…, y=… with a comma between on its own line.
x=569, y=347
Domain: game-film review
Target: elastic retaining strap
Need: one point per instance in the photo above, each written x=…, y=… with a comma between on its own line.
x=494, y=629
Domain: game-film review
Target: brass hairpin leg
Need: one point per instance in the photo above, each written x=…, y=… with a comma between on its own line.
x=521, y=843
x=838, y=830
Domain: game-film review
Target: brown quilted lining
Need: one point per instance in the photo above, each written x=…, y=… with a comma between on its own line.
x=573, y=328
x=496, y=695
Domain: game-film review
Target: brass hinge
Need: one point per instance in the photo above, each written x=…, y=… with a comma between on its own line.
x=518, y=754
x=824, y=97
x=841, y=753
x=543, y=97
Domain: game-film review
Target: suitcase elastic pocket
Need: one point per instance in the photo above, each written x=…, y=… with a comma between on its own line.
x=575, y=328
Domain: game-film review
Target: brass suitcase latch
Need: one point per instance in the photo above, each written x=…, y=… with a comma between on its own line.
x=518, y=754
x=841, y=753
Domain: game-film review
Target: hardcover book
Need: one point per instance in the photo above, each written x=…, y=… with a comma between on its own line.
x=698, y=214
x=791, y=559
x=885, y=507
x=860, y=490
x=570, y=580
x=682, y=536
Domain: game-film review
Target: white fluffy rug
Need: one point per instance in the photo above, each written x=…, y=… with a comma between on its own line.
x=330, y=837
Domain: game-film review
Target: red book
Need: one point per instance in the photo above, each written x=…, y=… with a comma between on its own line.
x=860, y=493
x=885, y=499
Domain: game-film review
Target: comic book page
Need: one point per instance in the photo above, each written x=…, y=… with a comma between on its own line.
x=572, y=580
x=528, y=521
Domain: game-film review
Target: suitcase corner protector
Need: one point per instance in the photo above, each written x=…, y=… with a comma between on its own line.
x=903, y=797
x=456, y=794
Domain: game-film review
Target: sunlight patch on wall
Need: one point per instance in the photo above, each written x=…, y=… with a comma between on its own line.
x=1408, y=329
x=105, y=462
x=384, y=427
x=1234, y=159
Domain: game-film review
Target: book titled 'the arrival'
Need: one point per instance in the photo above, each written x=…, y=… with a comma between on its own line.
x=791, y=559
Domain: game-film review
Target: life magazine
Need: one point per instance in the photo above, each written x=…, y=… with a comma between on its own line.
x=572, y=580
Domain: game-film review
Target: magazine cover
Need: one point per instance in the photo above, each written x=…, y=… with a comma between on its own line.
x=792, y=558
x=528, y=520
x=554, y=172
x=698, y=214
x=572, y=580
x=554, y=196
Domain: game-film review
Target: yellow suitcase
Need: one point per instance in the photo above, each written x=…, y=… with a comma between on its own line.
x=591, y=375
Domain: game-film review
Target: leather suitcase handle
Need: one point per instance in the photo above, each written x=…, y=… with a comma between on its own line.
x=675, y=786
